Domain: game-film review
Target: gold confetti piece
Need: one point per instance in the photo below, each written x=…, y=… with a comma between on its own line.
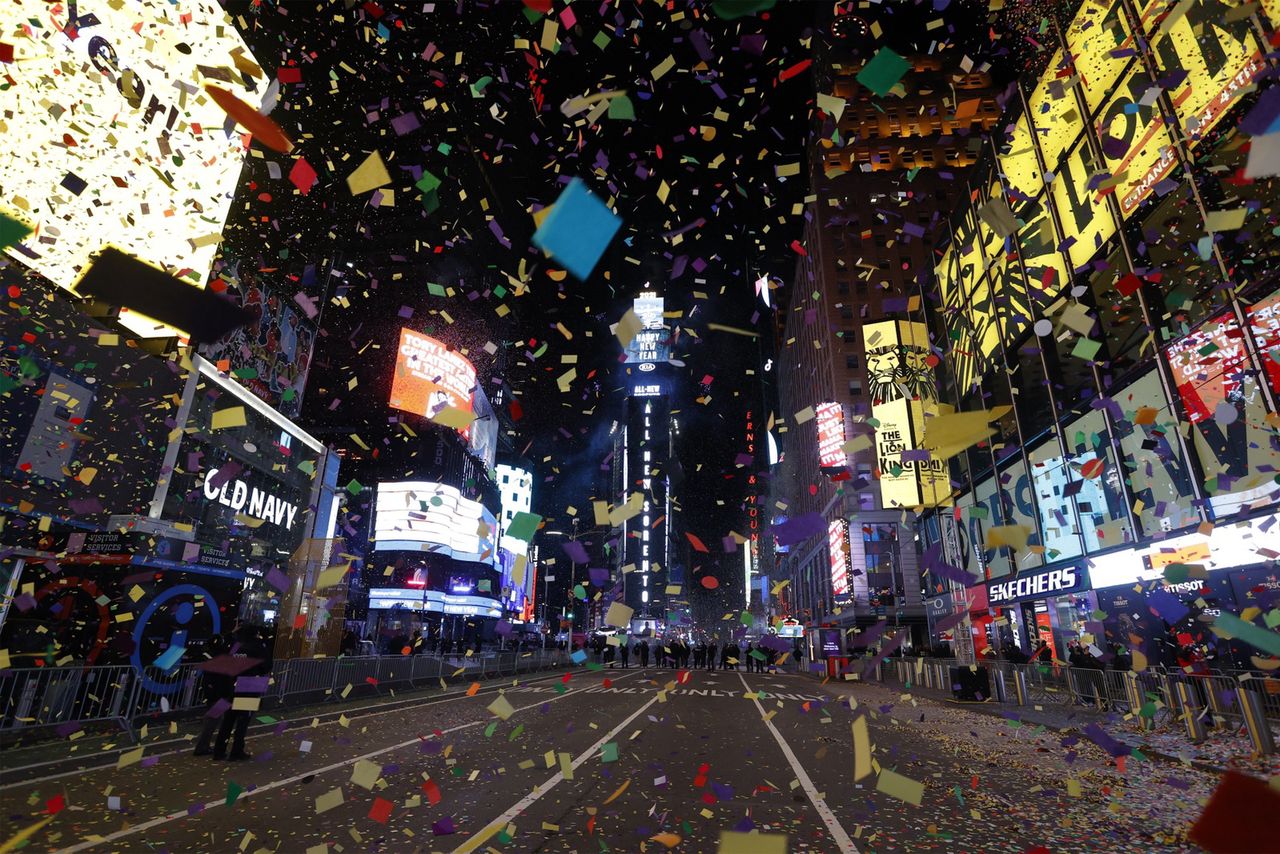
x=897, y=786
x=369, y=175
x=329, y=800
x=501, y=707
x=861, y=749
x=617, y=792
x=232, y=416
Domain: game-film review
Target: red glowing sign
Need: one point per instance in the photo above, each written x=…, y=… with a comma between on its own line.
x=429, y=377
x=831, y=436
x=838, y=550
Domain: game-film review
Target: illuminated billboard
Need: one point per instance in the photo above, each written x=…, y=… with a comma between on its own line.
x=650, y=345
x=120, y=143
x=838, y=552
x=1264, y=322
x=831, y=435
x=902, y=392
x=429, y=377
x=1208, y=365
x=433, y=517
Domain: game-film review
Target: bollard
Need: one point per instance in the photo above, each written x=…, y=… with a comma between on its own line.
x=1190, y=704
x=1020, y=686
x=1170, y=696
x=1217, y=705
x=1133, y=692
x=1002, y=691
x=1255, y=720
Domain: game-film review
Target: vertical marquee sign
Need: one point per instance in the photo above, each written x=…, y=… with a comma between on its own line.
x=902, y=391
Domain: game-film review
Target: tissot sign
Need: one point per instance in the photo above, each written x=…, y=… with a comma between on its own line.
x=1036, y=585
x=250, y=500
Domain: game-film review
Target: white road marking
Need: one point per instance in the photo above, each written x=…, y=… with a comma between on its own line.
x=256, y=731
x=266, y=787
x=828, y=817
x=528, y=800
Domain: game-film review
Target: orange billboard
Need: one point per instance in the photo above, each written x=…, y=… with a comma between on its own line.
x=430, y=377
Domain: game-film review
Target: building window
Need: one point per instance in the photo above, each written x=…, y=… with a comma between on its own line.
x=851, y=362
x=855, y=388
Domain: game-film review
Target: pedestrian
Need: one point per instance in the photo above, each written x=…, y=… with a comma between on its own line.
x=218, y=688
x=699, y=655
x=749, y=661
x=712, y=648
x=724, y=656
x=235, y=722
x=1043, y=655
x=626, y=653
x=644, y=653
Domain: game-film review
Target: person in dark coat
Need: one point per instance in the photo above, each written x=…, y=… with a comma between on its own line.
x=625, y=649
x=235, y=723
x=712, y=648
x=642, y=647
x=217, y=686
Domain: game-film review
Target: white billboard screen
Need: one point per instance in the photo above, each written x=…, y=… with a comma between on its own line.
x=120, y=144
x=433, y=517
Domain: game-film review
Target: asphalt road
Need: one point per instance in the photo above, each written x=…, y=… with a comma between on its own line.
x=619, y=761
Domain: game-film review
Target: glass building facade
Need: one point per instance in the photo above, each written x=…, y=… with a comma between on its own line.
x=1113, y=280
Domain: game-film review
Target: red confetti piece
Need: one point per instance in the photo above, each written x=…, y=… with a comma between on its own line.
x=798, y=68
x=381, y=810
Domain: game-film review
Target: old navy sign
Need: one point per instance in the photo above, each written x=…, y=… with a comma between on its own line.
x=1036, y=585
x=250, y=500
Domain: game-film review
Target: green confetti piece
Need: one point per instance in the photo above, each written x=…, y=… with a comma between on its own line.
x=491, y=729
x=355, y=487
x=1255, y=636
x=11, y=231
x=234, y=790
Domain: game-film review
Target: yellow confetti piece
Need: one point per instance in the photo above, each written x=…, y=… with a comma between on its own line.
x=329, y=800
x=131, y=757
x=501, y=707
x=232, y=416
x=861, y=749
x=617, y=792
x=13, y=842
x=897, y=786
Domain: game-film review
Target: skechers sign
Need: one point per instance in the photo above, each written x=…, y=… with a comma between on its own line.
x=249, y=500
x=1049, y=582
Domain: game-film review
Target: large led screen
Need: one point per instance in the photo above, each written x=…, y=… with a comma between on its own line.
x=429, y=377
x=433, y=517
x=831, y=436
x=119, y=142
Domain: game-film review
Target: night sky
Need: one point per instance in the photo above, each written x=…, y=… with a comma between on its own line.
x=468, y=94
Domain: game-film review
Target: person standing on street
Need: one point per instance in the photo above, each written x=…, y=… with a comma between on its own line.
x=237, y=720
x=625, y=650
x=643, y=649
x=711, y=655
x=217, y=687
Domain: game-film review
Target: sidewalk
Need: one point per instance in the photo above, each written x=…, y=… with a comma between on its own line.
x=1223, y=748
x=178, y=733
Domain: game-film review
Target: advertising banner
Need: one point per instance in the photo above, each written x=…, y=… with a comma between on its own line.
x=433, y=517
x=122, y=145
x=271, y=356
x=902, y=392
x=1213, y=57
x=1207, y=365
x=831, y=436
x=838, y=554
x=429, y=377
x=1264, y=323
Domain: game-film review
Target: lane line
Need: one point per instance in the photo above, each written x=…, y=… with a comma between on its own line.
x=259, y=730
x=266, y=787
x=828, y=817
x=528, y=800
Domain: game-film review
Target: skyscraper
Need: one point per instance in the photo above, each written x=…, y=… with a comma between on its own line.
x=884, y=173
x=644, y=450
